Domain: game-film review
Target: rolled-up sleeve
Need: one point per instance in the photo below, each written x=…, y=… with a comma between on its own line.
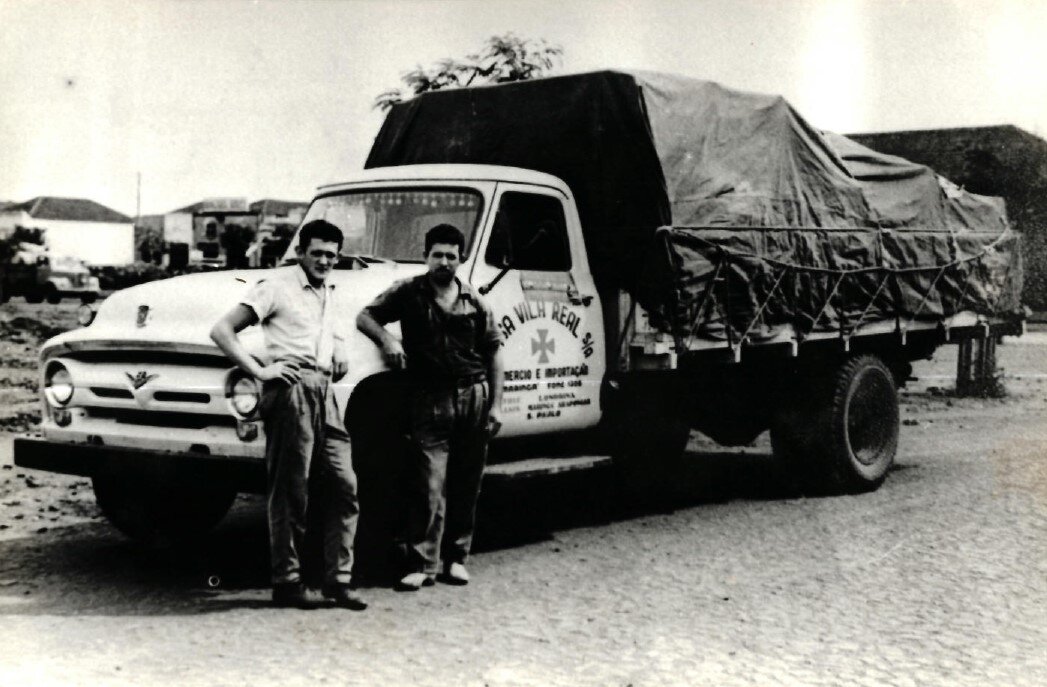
x=491, y=339
x=389, y=305
x=261, y=299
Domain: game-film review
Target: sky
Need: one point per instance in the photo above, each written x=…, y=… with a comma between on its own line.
x=267, y=99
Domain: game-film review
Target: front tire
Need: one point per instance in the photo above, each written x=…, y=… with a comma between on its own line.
x=841, y=434
x=377, y=423
x=52, y=294
x=152, y=511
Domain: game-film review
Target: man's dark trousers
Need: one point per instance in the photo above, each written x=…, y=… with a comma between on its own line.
x=304, y=432
x=448, y=427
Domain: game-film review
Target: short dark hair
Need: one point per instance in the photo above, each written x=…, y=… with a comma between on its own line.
x=319, y=229
x=445, y=233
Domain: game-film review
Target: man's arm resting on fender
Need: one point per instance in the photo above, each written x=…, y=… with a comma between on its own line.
x=366, y=323
x=392, y=349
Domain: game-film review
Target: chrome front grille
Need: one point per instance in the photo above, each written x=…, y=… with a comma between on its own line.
x=134, y=358
x=162, y=396
x=151, y=388
x=154, y=418
x=106, y=392
x=182, y=397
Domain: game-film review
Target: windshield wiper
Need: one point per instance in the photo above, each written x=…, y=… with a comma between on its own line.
x=509, y=261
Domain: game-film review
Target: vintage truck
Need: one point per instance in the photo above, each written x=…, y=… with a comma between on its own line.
x=662, y=254
x=36, y=275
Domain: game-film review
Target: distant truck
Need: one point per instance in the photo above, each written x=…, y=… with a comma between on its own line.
x=36, y=275
x=661, y=255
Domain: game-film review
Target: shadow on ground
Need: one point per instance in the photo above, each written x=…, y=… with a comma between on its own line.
x=90, y=569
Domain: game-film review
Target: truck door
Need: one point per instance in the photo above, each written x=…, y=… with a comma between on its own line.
x=532, y=268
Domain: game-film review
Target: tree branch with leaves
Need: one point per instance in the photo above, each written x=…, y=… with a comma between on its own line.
x=503, y=59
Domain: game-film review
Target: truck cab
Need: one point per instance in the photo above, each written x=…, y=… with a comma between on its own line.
x=525, y=255
x=142, y=396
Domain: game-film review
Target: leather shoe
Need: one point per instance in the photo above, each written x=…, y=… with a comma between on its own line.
x=344, y=597
x=455, y=573
x=292, y=595
x=412, y=582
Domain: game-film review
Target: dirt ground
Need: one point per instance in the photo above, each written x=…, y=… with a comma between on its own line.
x=938, y=578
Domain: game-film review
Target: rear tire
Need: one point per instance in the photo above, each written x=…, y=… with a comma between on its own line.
x=152, y=511
x=34, y=294
x=52, y=295
x=841, y=435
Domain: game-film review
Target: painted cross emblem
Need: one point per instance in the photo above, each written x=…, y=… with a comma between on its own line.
x=542, y=346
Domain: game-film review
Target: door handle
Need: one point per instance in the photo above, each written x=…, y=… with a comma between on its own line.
x=576, y=297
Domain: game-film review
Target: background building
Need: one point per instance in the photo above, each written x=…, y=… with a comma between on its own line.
x=221, y=232
x=277, y=222
x=75, y=227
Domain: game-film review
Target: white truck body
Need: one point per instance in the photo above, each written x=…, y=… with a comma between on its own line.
x=554, y=349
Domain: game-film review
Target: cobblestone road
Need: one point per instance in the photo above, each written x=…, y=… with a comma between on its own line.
x=938, y=578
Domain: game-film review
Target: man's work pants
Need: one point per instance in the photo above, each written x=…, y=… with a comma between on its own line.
x=449, y=429
x=304, y=431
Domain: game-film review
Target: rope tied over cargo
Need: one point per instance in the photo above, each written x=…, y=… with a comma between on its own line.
x=728, y=292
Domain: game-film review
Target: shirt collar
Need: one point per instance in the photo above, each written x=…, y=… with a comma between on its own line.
x=303, y=279
x=427, y=286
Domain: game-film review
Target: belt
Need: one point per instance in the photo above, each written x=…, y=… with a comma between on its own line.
x=314, y=368
x=469, y=380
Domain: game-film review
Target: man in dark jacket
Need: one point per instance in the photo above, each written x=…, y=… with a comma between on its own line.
x=452, y=352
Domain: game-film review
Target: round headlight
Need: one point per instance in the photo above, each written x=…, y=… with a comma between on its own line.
x=58, y=386
x=85, y=315
x=244, y=395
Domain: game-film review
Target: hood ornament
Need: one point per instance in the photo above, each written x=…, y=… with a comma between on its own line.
x=140, y=379
x=143, y=315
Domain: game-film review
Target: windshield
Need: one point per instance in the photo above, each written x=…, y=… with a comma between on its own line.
x=390, y=223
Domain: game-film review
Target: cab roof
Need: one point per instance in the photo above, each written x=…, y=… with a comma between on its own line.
x=450, y=172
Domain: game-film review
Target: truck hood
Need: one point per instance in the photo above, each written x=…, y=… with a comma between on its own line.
x=178, y=313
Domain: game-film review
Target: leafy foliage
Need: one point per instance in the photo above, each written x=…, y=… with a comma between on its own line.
x=502, y=59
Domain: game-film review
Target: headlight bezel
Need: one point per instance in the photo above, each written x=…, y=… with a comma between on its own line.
x=240, y=385
x=86, y=314
x=56, y=394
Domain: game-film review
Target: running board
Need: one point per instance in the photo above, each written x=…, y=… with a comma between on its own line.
x=537, y=467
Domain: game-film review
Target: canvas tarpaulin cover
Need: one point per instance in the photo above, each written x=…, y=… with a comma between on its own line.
x=748, y=217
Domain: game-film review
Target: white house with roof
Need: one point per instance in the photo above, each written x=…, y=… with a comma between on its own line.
x=75, y=227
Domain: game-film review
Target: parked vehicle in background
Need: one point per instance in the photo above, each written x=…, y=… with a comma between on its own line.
x=36, y=275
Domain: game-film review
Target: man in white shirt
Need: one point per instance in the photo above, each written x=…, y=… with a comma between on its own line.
x=303, y=424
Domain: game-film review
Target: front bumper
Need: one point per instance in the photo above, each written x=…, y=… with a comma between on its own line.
x=245, y=474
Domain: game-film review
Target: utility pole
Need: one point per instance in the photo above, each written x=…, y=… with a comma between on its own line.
x=138, y=199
